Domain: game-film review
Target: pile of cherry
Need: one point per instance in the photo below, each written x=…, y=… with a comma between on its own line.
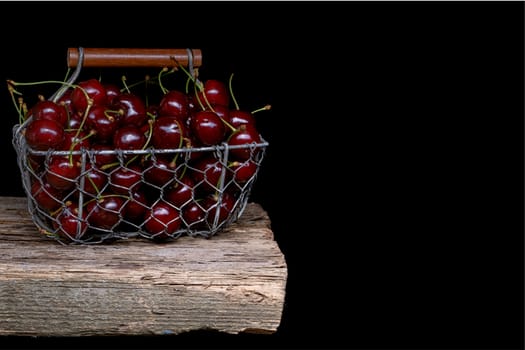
x=99, y=163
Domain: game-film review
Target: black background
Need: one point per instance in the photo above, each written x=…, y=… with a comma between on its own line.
x=394, y=176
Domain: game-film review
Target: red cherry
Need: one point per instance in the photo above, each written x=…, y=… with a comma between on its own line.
x=243, y=171
x=167, y=133
x=129, y=137
x=95, y=180
x=125, y=179
x=44, y=134
x=162, y=220
x=194, y=216
x=103, y=154
x=46, y=196
x=238, y=117
x=103, y=122
x=69, y=224
x=225, y=209
x=135, y=208
x=160, y=171
x=61, y=173
x=45, y=109
x=112, y=91
x=174, y=104
x=245, y=136
x=206, y=173
x=133, y=109
x=215, y=92
x=180, y=192
x=208, y=127
x=105, y=212
x=94, y=90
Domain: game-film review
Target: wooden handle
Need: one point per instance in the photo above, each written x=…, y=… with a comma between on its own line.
x=132, y=57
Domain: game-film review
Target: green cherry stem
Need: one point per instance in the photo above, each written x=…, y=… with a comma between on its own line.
x=231, y=92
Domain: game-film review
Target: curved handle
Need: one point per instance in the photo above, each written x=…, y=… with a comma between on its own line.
x=133, y=57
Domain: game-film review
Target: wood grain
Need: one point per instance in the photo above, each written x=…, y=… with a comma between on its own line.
x=232, y=282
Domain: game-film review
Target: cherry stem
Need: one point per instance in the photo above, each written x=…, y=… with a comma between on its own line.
x=191, y=77
x=231, y=92
x=265, y=108
x=126, y=88
x=150, y=123
x=162, y=88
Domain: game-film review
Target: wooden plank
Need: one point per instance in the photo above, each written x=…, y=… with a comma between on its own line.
x=233, y=282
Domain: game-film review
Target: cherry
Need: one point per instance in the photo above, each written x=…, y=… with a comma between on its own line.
x=211, y=204
x=103, y=122
x=112, y=91
x=238, y=117
x=69, y=224
x=129, y=137
x=45, y=109
x=103, y=155
x=174, y=103
x=135, y=208
x=245, y=135
x=133, y=109
x=206, y=173
x=160, y=171
x=162, y=220
x=61, y=173
x=167, y=133
x=46, y=196
x=125, y=179
x=95, y=180
x=180, y=192
x=243, y=171
x=94, y=90
x=44, y=134
x=194, y=216
x=105, y=212
x=208, y=127
x=215, y=92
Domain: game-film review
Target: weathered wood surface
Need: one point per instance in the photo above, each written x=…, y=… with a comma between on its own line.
x=233, y=282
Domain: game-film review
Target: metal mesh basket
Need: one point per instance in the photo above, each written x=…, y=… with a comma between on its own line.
x=198, y=192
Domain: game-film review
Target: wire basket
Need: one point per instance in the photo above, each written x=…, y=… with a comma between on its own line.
x=155, y=193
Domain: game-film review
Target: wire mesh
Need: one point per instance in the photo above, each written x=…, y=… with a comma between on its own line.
x=107, y=194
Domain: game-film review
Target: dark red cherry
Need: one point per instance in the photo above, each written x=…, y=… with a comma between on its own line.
x=93, y=89
x=194, y=216
x=112, y=91
x=46, y=196
x=105, y=212
x=125, y=179
x=45, y=109
x=224, y=210
x=174, y=104
x=162, y=220
x=135, y=208
x=243, y=171
x=167, y=133
x=61, y=173
x=69, y=223
x=238, y=117
x=44, y=134
x=245, y=139
x=95, y=180
x=215, y=92
x=103, y=122
x=160, y=171
x=180, y=192
x=208, y=127
x=129, y=137
x=133, y=109
x=206, y=174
